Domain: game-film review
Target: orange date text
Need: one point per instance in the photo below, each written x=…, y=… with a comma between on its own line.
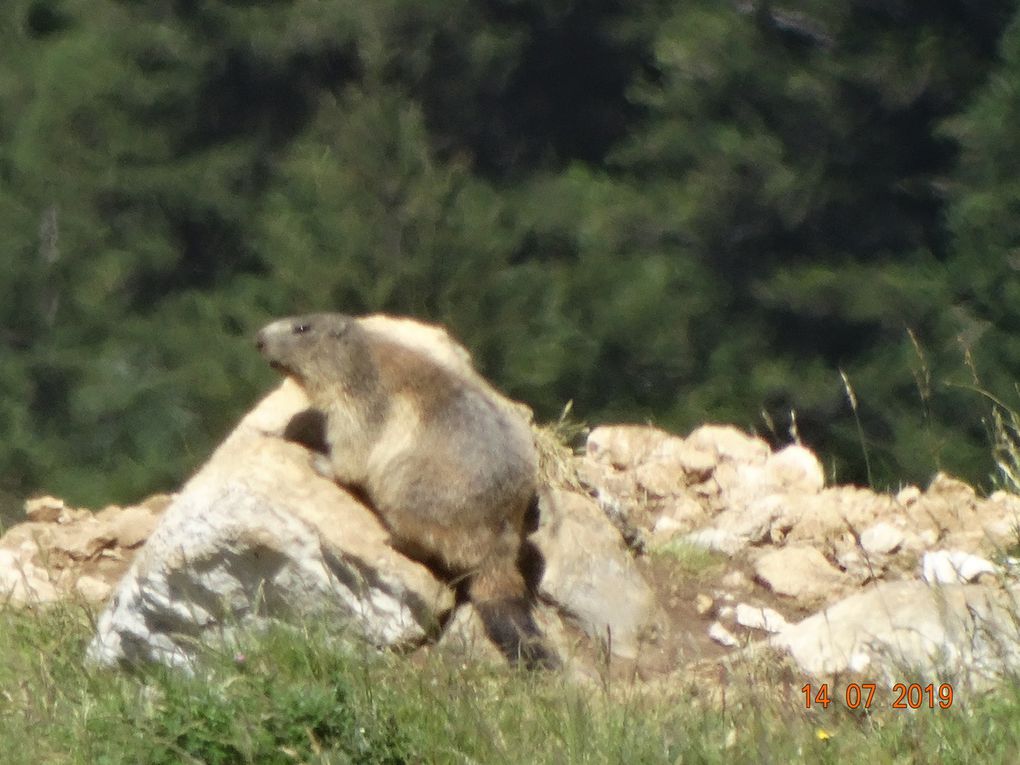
x=863, y=696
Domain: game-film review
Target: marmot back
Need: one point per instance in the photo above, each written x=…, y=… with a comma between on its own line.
x=448, y=464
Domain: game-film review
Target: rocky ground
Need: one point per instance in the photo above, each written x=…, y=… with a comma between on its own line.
x=663, y=556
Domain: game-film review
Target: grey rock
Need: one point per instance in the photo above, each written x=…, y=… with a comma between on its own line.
x=590, y=574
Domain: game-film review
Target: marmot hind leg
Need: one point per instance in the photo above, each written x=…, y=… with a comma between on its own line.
x=505, y=605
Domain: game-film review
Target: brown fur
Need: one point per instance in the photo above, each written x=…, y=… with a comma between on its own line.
x=448, y=465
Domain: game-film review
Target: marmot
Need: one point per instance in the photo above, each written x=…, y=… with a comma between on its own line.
x=448, y=464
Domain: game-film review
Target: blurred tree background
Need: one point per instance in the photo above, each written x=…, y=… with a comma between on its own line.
x=672, y=212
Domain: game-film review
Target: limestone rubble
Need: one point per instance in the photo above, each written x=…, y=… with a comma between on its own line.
x=839, y=578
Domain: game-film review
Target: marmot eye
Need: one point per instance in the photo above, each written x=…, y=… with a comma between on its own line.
x=300, y=329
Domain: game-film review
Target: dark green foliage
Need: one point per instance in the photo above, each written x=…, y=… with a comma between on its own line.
x=673, y=212
x=984, y=218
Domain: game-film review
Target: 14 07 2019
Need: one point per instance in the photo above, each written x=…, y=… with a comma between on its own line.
x=862, y=696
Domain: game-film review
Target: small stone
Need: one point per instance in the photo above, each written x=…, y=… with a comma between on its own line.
x=795, y=468
x=44, y=509
x=722, y=636
x=687, y=512
x=92, y=589
x=703, y=604
x=908, y=495
x=85, y=542
x=735, y=580
x=857, y=568
x=718, y=540
x=23, y=583
x=881, y=539
x=1002, y=532
x=157, y=503
x=760, y=618
x=729, y=443
x=954, y=567
x=697, y=465
x=961, y=496
x=624, y=446
x=660, y=479
x=666, y=527
x=72, y=515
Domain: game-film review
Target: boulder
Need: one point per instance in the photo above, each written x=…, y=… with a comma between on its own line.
x=257, y=534
x=590, y=575
x=910, y=632
x=799, y=572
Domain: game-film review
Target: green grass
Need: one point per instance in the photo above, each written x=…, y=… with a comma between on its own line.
x=294, y=696
x=692, y=562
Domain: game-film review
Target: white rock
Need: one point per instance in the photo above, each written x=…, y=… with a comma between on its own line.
x=752, y=524
x=625, y=446
x=910, y=632
x=881, y=539
x=44, y=509
x=858, y=567
x=954, y=567
x=729, y=443
x=1002, y=532
x=722, y=636
x=695, y=464
x=799, y=572
x=665, y=526
x=23, y=583
x=92, y=589
x=718, y=540
x=760, y=618
x=795, y=468
x=660, y=479
x=908, y=495
x=735, y=580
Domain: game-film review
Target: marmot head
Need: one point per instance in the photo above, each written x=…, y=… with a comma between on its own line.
x=321, y=351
